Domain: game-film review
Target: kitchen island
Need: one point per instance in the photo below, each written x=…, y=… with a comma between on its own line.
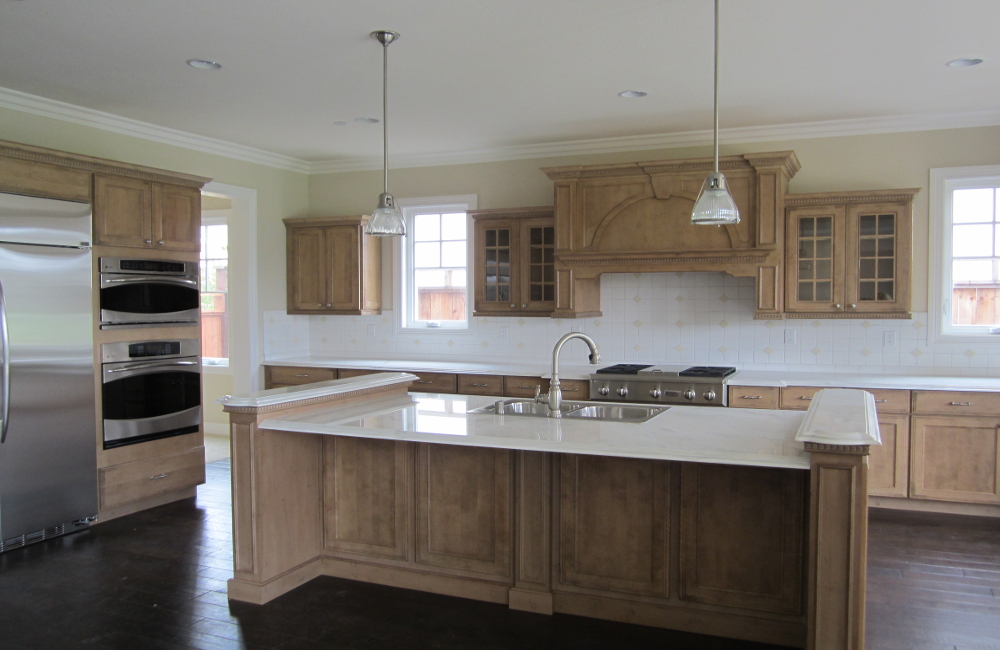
x=748, y=524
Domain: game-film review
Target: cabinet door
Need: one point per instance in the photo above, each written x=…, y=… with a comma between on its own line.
x=955, y=459
x=814, y=259
x=343, y=284
x=307, y=275
x=122, y=211
x=176, y=218
x=877, y=273
x=496, y=269
x=888, y=463
x=537, y=265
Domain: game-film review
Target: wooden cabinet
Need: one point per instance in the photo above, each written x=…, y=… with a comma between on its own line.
x=434, y=382
x=333, y=267
x=142, y=214
x=956, y=459
x=753, y=397
x=480, y=385
x=514, y=272
x=281, y=376
x=889, y=463
x=848, y=254
x=143, y=479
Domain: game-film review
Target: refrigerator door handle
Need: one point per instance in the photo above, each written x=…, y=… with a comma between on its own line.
x=5, y=369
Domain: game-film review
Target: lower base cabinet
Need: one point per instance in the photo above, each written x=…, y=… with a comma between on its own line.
x=128, y=483
x=889, y=463
x=956, y=459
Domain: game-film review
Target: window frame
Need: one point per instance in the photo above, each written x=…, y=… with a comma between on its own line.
x=943, y=182
x=219, y=219
x=403, y=253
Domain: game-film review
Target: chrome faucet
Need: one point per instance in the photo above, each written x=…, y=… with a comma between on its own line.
x=554, y=396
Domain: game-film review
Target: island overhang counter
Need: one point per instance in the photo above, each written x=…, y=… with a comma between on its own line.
x=736, y=522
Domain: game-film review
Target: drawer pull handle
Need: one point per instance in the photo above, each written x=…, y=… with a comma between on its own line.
x=750, y=397
x=301, y=375
x=808, y=399
x=570, y=390
x=960, y=403
x=423, y=382
x=481, y=385
x=527, y=387
x=154, y=478
x=880, y=401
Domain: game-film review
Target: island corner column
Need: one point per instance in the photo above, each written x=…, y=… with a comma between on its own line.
x=838, y=546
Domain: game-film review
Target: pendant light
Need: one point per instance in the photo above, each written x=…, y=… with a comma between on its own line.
x=715, y=205
x=386, y=221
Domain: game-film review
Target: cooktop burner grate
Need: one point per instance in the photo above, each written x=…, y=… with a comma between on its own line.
x=706, y=371
x=623, y=369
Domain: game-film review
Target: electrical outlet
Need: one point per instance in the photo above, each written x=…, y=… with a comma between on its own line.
x=371, y=330
x=791, y=336
x=576, y=328
x=502, y=332
x=889, y=339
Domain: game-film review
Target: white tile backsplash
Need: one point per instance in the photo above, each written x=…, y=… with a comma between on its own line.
x=664, y=318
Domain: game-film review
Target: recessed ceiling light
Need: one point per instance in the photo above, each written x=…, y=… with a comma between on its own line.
x=366, y=120
x=963, y=63
x=202, y=64
x=340, y=123
x=632, y=93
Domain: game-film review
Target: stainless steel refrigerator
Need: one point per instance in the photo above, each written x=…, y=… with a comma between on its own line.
x=48, y=440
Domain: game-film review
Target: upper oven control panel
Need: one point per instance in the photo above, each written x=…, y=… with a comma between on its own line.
x=140, y=350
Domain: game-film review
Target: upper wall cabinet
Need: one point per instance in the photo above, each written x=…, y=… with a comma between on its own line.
x=637, y=218
x=143, y=214
x=514, y=262
x=333, y=267
x=847, y=254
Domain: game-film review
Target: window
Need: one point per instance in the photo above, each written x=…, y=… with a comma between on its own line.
x=435, y=264
x=965, y=249
x=214, y=291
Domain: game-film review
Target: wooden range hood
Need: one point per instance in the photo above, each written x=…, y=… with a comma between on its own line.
x=636, y=218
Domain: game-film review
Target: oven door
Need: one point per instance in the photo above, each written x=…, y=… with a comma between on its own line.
x=130, y=300
x=147, y=400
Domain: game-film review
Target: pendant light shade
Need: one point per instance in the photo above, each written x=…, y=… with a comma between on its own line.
x=715, y=205
x=386, y=220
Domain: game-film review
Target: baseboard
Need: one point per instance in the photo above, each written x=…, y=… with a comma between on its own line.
x=525, y=600
x=942, y=507
x=145, y=504
x=216, y=429
x=260, y=593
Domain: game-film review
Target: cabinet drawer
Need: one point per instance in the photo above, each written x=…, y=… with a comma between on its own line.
x=296, y=376
x=797, y=398
x=344, y=373
x=940, y=402
x=142, y=479
x=886, y=401
x=434, y=382
x=524, y=386
x=480, y=385
x=753, y=397
x=575, y=389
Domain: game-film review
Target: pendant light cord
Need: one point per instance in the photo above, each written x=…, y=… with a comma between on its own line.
x=385, y=114
x=716, y=127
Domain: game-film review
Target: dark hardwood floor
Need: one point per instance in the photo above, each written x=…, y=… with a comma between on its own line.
x=157, y=580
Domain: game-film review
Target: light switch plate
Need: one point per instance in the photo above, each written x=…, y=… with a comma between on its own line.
x=502, y=332
x=791, y=336
x=889, y=339
x=371, y=330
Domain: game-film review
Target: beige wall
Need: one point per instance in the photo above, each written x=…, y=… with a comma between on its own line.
x=844, y=163
x=213, y=386
x=279, y=193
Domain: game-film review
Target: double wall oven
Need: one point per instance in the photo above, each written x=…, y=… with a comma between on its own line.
x=148, y=293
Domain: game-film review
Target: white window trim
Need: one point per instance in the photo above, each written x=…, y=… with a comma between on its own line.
x=942, y=182
x=216, y=365
x=401, y=283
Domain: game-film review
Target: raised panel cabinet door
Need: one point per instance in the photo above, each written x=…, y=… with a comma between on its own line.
x=307, y=275
x=463, y=510
x=877, y=271
x=742, y=535
x=613, y=524
x=343, y=288
x=176, y=217
x=365, y=496
x=814, y=259
x=496, y=267
x=955, y=459
x=889, y=463
x=537, y=265
x=122, y=211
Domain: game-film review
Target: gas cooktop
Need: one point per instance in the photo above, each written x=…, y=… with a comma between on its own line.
x=714, y=372
x=637, y=382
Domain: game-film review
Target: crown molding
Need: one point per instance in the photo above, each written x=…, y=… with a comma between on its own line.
x=51, y=108
x=738, y=135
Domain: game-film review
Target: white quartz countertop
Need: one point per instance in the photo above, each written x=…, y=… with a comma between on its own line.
x=685, y=433
x=570, y=370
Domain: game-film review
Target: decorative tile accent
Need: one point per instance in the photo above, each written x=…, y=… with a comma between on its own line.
x=916, y=352
x=637, y=299
x=970, y=353
x=637, y=323
x=679, y=323
x=816, y=351
x=769, y=350
x=723, y=323
x=636, y=347
x=866, y=352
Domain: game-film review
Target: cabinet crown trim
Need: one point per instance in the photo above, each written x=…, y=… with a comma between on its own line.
x=862, y=196
x=513, y=213
x=355, y=220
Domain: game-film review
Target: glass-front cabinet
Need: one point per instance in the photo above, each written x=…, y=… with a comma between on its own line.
x=848, y=254
x=515, y=262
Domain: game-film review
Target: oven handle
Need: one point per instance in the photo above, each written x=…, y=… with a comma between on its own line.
x=154, y=364
x=5, y=370
x=148, y=280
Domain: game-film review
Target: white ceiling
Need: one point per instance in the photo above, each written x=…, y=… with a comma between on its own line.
x=477, y=75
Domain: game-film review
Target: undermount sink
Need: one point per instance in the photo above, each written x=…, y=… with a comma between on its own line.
x=636, y=413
